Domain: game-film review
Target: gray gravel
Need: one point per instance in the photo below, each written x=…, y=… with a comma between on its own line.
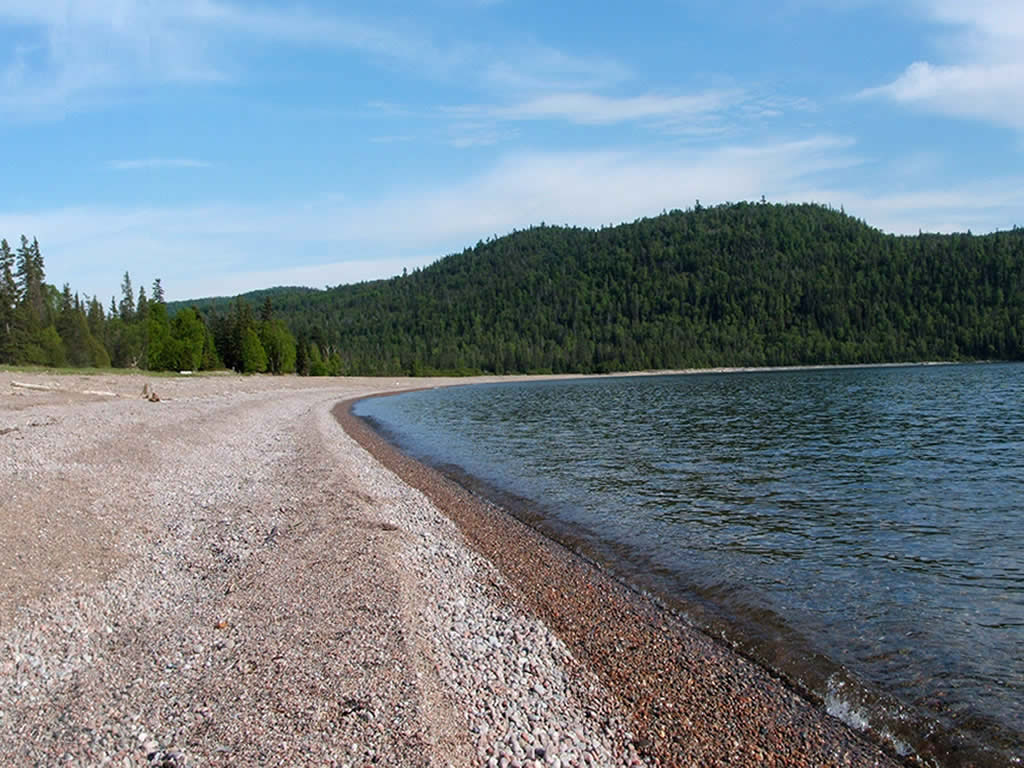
x=225, y=577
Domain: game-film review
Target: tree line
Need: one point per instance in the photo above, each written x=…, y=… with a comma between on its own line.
x=744, y=284
x=41, y=325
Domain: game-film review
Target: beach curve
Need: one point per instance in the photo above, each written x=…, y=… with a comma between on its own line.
x=226, y=577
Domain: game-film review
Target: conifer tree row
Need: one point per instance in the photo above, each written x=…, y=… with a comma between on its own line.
x=40, y=325
x=742, y=284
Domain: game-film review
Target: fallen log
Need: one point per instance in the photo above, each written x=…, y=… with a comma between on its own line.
x=41, y=387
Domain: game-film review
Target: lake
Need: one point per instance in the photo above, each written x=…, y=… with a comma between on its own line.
x=859, y=530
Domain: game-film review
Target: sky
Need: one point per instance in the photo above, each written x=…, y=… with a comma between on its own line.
x=228, y=146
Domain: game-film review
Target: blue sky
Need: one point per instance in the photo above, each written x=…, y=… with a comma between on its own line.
x=226, y=146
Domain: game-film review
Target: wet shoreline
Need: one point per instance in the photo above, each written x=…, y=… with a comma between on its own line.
x=692, y=700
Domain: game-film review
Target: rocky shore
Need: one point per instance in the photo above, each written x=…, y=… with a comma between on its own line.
x=224, y=576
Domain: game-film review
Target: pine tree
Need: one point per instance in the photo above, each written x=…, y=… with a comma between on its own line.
x=240, y=321
x=30, y=312
x=37, y=260
x=316, y=361
x=189, y=333
x=157, y=294
x=127, y=307
x=210, y=360
x=142, y=306
x=97, y=321
x=30, y=283
x=302, y=357
x=73, y=327
x=8, y=297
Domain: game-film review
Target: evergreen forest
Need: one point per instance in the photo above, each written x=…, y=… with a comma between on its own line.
x=745, y=284
x=40, y=325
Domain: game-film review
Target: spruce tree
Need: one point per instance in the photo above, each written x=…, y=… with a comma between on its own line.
x=127, y=307
x=73, y=328
x=8, y=297
x=239, y=322
x=30, y=312
x=210, y=360
x=189, y=333
x=97, y=321
x=302, y=357
x=161, y=349
x=37, y=257
x=142, y=306
x=30, y=282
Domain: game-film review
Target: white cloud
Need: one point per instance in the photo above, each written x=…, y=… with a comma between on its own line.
x=227, y=249
x=475, y=133
x=597, y=188
x=979, y=207
x=541, y=68
x=72, y=50
x=984, y=78
x=712, y=111
x=300, y=26
x=313, y=276
x=700, y=113
x=592, y=109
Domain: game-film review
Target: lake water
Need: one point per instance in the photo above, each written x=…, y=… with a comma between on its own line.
x=859, y=530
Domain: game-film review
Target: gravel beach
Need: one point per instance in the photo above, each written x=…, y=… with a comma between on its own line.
x=223, y=575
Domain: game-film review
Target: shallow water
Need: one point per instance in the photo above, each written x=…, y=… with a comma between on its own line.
x=859, y=530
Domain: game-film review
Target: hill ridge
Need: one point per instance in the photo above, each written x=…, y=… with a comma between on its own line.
x=739, y=284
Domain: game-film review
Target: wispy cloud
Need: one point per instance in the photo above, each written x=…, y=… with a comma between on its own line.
x=984, y=77
x=158, y=162
x=704, y=113
x=466, y=134
x=537, y=68
x=71, y=52
x=301, y=26
x=321, y=275
x=594, y=109
x=977, y=206
x=226, y=248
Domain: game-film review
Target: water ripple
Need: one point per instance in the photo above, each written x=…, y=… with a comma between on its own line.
x=870, y=518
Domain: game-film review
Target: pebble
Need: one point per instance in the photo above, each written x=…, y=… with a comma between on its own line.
x=266, y=575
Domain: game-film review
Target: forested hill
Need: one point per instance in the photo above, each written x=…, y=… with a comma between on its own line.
x=734, y=285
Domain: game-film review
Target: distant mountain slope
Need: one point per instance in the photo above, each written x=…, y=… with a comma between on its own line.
x=737, y=284
x=255, y=298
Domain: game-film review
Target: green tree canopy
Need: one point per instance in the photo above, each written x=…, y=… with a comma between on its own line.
x=253, y=358
x=746, y=284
